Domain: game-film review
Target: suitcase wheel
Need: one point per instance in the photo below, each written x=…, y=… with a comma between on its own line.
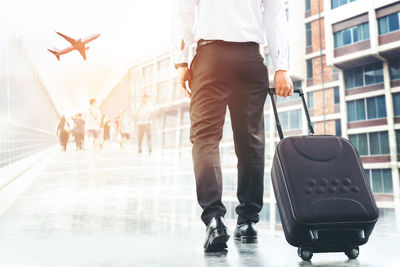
x=352, y=253
x=305, y=253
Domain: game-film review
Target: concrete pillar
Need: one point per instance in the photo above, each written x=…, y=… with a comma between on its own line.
x=373, y=27
x=342, y=103
x=392, y=142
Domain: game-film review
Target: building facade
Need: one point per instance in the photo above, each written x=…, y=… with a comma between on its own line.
x=345, y=55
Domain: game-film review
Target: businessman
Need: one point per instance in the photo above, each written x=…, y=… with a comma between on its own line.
x=228, y=71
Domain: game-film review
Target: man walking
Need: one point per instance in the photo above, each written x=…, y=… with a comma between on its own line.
x=93, y=117
x=144, y=115
x=228, y=71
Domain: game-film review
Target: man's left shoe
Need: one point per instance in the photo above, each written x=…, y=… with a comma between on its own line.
x=216, y=235
x=246, y=233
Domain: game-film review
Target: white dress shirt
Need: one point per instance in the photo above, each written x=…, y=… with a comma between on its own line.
x=232, y=21
x=93, y=117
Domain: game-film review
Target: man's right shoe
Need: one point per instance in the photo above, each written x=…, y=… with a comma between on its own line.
x=216, y=235
x=246, y=233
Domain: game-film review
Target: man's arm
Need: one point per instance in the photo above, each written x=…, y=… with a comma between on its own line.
x=276, y=31
x=183, y=38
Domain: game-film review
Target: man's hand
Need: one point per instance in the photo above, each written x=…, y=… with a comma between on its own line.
x=183, y=76
x=283, y=84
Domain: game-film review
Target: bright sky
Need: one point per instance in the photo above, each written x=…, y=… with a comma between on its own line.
x=130, y=30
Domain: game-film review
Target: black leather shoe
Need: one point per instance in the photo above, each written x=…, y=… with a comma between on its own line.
x=216, y=235
x=247, y=233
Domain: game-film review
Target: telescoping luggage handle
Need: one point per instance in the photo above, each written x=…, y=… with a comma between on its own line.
x=278, y=124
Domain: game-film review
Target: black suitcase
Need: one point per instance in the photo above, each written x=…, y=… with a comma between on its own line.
x=323, y=198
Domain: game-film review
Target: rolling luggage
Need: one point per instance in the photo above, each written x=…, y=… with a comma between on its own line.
x=323, y=198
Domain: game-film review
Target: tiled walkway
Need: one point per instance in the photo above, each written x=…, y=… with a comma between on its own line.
x=115, y=208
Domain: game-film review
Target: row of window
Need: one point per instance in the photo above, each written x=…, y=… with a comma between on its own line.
x=364, y=75
x=338, y=3
x=371, y=74
x=360, y=32
x=366, y=109
x=380, y=180
x=161, y=66
x=369, y=144
x=334, y=3
x=389, y=23
x=310, y=98
x=371, y=108
x=351, y=35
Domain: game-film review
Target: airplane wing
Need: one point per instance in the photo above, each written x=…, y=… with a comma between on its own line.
x=90, y=38
x=69, y=39
x=66, y=50
x=83, y=53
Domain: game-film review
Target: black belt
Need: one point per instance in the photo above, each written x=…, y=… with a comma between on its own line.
x=202, y=43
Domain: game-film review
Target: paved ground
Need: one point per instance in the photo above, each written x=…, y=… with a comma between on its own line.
x=115, y=208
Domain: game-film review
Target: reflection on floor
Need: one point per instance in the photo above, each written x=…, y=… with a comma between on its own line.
x=116, y=208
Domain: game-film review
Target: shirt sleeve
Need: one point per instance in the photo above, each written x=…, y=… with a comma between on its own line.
x=276, y=32
x=182, y=29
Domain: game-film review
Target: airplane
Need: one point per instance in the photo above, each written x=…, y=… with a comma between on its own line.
x=78, y=45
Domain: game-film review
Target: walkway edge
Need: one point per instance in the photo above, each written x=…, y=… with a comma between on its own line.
x=12, y=172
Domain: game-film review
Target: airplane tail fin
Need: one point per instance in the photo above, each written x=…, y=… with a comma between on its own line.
x=54, y=52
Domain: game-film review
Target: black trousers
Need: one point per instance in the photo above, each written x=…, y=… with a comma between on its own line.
x=142, y=130
x=229, y=75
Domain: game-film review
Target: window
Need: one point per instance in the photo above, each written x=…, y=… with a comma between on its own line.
x=267, y=121
x=394, y=66
x=170, y=119
x=396, y=104
x=364, y=75
x=338, y=128
x=389, y=23
x=309, y=69
x=351, y=35
x=162, y=91
x=336, y=95
x=356, y=110
x=290, y=120
x=169, y=138
x=268, y=60
x=287, y=14
x=280, y=99
x=308, y=5
x=185, y=117
x=376, y=143
x=398, y=141
x=148, y=70
x=310, y=100
x=163, y=64
x=338, y=3
x=297, y=84
x=380, y=180
x=366, y=109
x=308, y=34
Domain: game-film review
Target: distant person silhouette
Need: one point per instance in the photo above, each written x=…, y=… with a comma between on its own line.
x=106, y=125
x=144, y=115
x=125, y=128
x=93, y=117
x=63, y=131
x=79, y=131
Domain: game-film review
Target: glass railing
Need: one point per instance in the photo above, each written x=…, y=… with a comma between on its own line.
x=18, y=142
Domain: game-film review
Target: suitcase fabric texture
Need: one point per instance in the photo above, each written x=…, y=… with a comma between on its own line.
x=323, y=198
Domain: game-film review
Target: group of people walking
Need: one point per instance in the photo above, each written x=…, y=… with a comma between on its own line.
x=94, y=124
x=97, y=127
